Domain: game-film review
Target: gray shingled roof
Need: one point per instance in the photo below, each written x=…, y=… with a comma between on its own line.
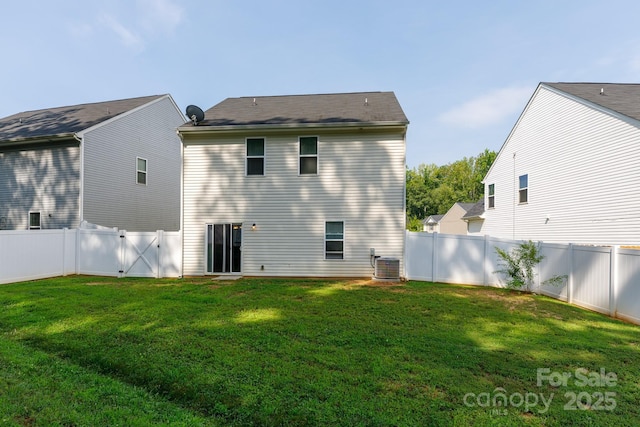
x=475, y=211
x=337, y=108
x=64, y=121
x=621, y=97
x=466, y=206
x=435, y=218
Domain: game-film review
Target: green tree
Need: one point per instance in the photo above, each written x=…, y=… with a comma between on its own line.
x=482, y=164
x=433, y=189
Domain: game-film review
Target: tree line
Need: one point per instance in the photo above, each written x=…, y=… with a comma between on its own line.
x=432, y=189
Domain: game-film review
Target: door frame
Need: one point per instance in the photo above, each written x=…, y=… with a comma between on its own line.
x=230, y=232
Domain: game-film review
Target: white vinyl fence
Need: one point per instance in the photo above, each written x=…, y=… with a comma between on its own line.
x=603, y=279
x=28, y=255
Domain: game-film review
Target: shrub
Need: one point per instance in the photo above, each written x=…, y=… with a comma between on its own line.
x=518, y=265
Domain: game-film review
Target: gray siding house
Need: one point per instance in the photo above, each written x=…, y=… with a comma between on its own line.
x=300, y=185
x=113, y=164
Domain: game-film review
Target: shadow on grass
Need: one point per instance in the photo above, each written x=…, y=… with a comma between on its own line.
x=317, y=352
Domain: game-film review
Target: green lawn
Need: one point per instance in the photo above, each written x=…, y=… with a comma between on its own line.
x=98, y=351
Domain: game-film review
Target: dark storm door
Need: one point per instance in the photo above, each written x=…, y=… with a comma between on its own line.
x=223, y=250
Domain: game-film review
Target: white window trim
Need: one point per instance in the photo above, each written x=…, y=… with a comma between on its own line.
x=523, y=188
x=491, y=196
x=263, y=157
x=146, y=171
x=324, y=245
x=317, y=155
x=39, y=227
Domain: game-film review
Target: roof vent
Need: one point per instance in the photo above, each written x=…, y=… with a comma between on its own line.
x=366, y=101
x=601, y=91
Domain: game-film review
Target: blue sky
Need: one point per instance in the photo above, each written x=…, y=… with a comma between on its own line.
x=463, y=71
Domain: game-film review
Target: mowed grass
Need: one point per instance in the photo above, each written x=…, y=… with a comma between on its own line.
x=98, y=351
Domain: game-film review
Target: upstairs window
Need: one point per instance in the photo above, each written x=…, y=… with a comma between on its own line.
x=141, y=171
x=308, y=155
x=491, y=198
x=334, y=240
x=255, y=156
x=523, y=191
x=34, y=221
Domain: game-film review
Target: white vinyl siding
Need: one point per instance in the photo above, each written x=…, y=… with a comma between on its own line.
x=45, y=180
x=362, y=184
x=112, y=197
x=585, y=162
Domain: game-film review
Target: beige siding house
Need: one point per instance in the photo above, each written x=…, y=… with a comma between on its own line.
x=569, y=170
x=303, y=185
x=451, y=222
x=113, y=164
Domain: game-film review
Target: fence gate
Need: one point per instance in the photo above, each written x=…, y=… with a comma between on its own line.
x=140, y=254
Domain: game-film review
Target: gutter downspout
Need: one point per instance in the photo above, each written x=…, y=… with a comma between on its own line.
x=181, y=202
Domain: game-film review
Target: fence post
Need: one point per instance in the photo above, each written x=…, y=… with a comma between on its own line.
x=570, y=275
x=434, y=257
x=77, y=254
x=613, y=282
x=64, y=251
x=538, y=268
x=485, y=261
x=160, y=234
x=121, y=262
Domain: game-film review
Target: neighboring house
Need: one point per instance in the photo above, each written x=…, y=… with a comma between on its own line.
x=114, y=164
x=302, y=185
x=475, y=218
x=431, y=224
x=449, y=223
x=569, y=170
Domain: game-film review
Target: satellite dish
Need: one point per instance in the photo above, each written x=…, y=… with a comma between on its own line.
x=195, y=114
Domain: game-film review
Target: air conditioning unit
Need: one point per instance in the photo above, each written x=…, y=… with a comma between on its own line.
x=387, y=269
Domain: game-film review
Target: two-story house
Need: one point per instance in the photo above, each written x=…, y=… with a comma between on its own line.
x=302, y=185
x=569, y=170
x=114, y=164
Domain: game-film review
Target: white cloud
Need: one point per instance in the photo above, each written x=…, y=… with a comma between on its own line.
x=80, y=30
x=488, y=109
x=160, y=15
x=128, y=37
x=152, y=18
